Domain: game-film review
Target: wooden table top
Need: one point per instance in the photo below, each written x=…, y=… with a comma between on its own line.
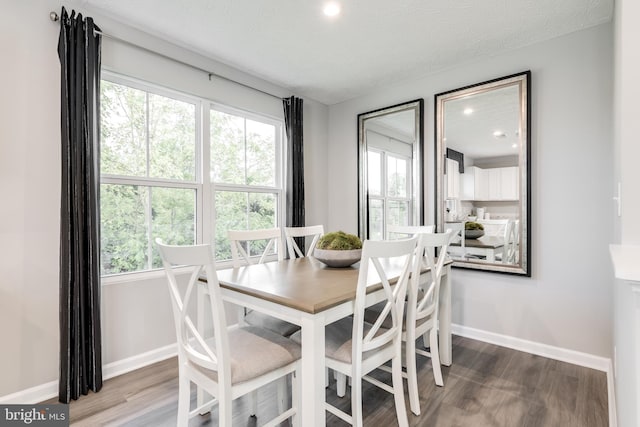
x=487, y=242
x=304, y=284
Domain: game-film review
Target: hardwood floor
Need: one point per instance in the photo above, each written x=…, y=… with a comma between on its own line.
x=487, y=385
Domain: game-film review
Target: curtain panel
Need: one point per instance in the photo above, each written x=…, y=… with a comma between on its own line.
x=295, y=165
x=80, y=331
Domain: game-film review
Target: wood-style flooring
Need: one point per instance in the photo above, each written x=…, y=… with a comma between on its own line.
x=486, y=385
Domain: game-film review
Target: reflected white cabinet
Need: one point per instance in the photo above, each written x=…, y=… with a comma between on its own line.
x=452, y=179
x=490, y=184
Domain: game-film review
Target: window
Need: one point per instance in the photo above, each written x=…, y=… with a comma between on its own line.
x=389, y=192
x=148, y=160
x=152, y=172
x=245, y=175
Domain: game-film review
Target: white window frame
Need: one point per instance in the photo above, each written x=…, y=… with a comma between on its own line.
x=384, y=190
x=277, y=189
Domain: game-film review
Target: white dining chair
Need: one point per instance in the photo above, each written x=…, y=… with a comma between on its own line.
x=241, y=242
x=227, y=365
x=403, y=231
x=422, y=311
x=509, y=251
x=353, y=347
x=291, y=233
x=459, y=237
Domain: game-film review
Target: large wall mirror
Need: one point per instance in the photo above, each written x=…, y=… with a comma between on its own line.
x=390, y=144
x=483, y=173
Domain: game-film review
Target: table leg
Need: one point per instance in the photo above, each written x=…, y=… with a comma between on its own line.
x=313, y=378
x=444, y=321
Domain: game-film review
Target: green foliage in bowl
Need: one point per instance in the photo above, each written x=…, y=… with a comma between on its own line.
x=470, y=225
x=339, y=240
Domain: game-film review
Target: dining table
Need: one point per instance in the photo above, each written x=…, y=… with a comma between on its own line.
x=308, y=293
x=485, y=246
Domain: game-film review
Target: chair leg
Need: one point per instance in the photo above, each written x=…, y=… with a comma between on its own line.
x=326, y=377
x=295, y=398
x=281, y=393
x=435, y=357
x=184, y=397
x=412, y=375
x=253, y=403
x=356, y=401
x=398, y=389
x=341, y=384
x=224, y=411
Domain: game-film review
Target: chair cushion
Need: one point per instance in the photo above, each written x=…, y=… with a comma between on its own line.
x=338, y=339
x=254, y=352
x=280, y=327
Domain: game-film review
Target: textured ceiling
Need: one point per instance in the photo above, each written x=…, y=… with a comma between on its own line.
x=371, y=43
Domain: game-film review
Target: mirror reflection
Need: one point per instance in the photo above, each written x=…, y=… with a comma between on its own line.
x=390, y=168
x=483, y=144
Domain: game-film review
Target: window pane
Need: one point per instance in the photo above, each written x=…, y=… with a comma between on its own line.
x=376, y=223
x=124, y=228
x=228, y=158
x=172, y=138
x=123, y=132
x=173, y=212
x=398, y=213
x=261, y=153
x=242, y=211
x=396, y=176
x=374, y=163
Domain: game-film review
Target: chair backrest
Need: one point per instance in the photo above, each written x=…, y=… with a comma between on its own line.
x=404, y=231
x=425, y=303
x=375, y=267
x=494, y=227
x=192, y=347
x=239, y=238
x=510, y=243
x=458, y=234
x=291, y=233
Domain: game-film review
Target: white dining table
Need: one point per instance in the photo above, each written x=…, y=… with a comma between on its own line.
x=306, y=292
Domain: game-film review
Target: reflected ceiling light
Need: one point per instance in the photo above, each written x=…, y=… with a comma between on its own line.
x=499, y=134
x=514, y=145
x=331, y=9
x=468, y=111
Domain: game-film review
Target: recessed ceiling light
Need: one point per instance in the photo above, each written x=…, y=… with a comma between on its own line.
x=468, y=111
x=499, y=134
x=331, y=9
x=514, y=145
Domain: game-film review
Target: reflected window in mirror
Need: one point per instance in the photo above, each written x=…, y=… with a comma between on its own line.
x=483, y=164
x=390, y=168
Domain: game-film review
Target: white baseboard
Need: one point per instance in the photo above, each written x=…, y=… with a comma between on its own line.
x=49, y=390
x=545, y=350
x=123, y=366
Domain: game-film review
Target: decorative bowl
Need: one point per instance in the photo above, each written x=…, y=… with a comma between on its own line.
x=338, y=258
x=473, y=234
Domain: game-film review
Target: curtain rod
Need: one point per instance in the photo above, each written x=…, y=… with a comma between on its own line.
x=55, y=18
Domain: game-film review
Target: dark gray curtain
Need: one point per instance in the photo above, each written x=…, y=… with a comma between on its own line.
x=80, y=343
x=295, y=164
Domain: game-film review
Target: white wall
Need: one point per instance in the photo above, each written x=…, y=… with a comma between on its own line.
x=567, y=301
x=136, y=315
